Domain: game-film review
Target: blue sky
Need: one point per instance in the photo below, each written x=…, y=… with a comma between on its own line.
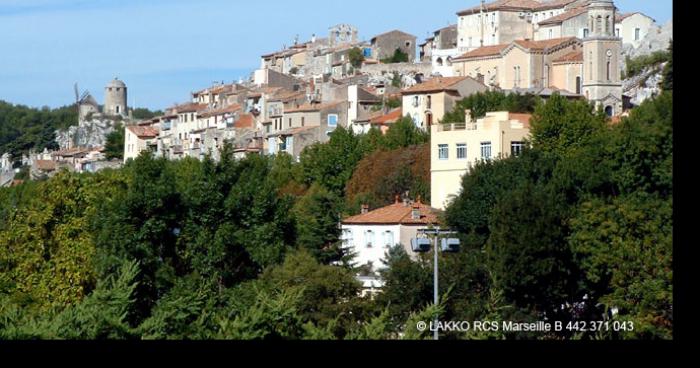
x=164, y=49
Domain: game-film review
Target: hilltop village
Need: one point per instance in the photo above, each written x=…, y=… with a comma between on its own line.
x=302, y=93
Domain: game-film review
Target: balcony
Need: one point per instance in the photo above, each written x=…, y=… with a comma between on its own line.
x=456, y=127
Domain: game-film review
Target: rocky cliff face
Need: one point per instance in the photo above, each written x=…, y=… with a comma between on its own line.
x=645, y=85
x=88, y=134
x=657, y=40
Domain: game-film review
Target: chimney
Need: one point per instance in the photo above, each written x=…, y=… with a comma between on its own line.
x=468, y=116
x=415, y=212
x=365, y=209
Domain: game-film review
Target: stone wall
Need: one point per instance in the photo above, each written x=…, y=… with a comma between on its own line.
x=376, y=70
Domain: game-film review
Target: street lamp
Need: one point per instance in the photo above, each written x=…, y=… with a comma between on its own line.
x=422, y=245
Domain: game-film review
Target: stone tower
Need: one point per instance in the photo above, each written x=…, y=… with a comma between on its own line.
x=115, y=98
x=602, y=82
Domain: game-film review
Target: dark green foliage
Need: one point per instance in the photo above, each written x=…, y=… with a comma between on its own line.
x=317, y=217
x=483, y=102
x=114, y=149
x=331, y=165
x=356, y=57
x=636, y=66
x=667, y=82
x=398, y=57
x=530, y=259
x=23, y=128
x=141, y=113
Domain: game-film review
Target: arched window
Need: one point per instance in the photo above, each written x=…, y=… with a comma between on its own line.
x=599, y=25
x=608, y=70
x=430, y=101
x=609, y=111
x=439, y=61
x=607, y=25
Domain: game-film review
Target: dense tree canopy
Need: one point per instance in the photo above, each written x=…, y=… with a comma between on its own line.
x=24, y=128
x=577, y=227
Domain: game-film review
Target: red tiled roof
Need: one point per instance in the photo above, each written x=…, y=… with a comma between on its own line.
x=575, y=56
x=190, y=107
x=518, y=5
x=388, y=118
x=245, y=121
x=435, y=85
x=144, y=131
x=523, y=118
x=543, y=44
x=397, y=213
x=564, y=16
x=484, y=51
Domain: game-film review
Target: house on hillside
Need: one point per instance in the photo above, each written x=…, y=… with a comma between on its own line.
x=371, y=234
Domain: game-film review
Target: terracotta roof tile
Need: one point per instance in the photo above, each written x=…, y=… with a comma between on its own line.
x=564, y=16
x=396, y=213
x=144, y=131
x=388, y=118
x=435, y=85
x=575, y=56
x=543, y=44
x=515, y=5
x=523, y=118
x=190, y=107
x=246, y=121
x=494, y=50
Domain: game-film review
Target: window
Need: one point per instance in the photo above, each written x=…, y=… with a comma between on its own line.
x=516, y=148
x=637, y=32
x=486, y=150
x=608, y=69
x=389, y=239
x=429, y=119
x=443, y=152
x=461, y=151
x=332, y=120
x=430, y=101
x=578, y=85
x=585, y=32
x=303, y=121
x=550, y=34
x=290, y=122
x=369, y=238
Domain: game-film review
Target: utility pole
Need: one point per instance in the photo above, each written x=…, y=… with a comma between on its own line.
x=436, y=295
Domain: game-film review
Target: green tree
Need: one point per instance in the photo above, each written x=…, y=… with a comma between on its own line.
x=114, y=148
x=398, y=57
x=667, y=82
x=356, y=57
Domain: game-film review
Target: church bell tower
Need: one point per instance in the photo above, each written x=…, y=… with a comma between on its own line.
x=602, y=82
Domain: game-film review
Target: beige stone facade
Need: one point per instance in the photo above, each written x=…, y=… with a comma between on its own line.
x=456, y=148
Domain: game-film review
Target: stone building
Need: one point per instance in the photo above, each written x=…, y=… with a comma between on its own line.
x=384, y=45
x=504, y=21
x=115, y=99
x=426, y=103
x=456, y=148
x=602, y=51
